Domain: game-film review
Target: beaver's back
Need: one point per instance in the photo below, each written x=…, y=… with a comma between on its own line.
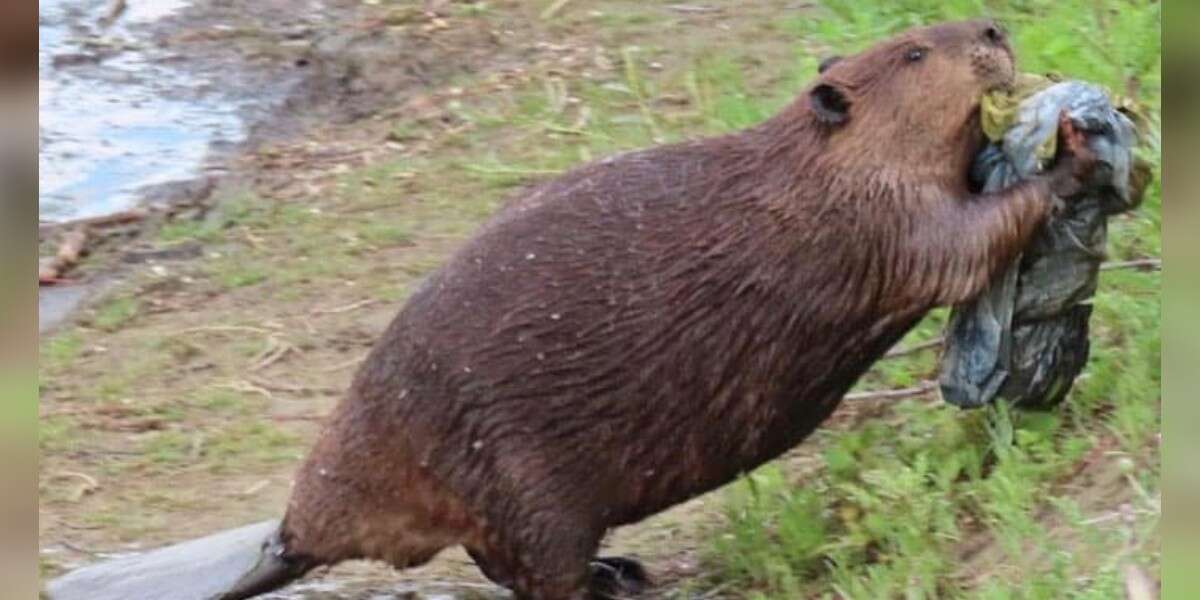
x=621, y=337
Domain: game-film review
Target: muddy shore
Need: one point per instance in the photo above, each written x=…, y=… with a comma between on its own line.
x=283, y=68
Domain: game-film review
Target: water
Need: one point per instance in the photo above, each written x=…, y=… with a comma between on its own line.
x=132, y=119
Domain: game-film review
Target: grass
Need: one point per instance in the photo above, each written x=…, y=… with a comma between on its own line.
x=61, y=350
x=116, y=313
x=896, y=508
x=919, y=501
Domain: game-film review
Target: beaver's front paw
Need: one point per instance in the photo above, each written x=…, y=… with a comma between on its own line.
x=1075, y=165
x=617, y=577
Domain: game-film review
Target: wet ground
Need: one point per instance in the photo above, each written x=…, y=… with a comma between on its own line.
x=120, y=113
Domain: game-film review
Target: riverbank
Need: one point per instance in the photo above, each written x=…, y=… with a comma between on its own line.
x=180, y=400
x=251, y=76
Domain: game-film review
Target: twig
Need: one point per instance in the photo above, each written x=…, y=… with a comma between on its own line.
x=274, y=352
x=73, y=246
x=287, y=387
x=253, y=239
x=340, y=366
x=715, y=592
x=922, y=389
x=346, y=308
x=553, y=9
x=79, y=549
x=1149, y=264
x=91, y=481
x=224, y=328
x=246, y=386
x=554, y=128
x=297, y=417
x=933, y=343
x=256, y=488
x=502, y=170
x=70, y=525
x=90, y=484
x=692, y=8
x=1112, y=516
x=117, y=218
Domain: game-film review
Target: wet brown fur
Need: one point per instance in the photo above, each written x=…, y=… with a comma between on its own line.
x=646, y=327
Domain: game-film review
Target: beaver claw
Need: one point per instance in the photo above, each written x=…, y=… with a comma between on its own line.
x=616, y=577
x=1075, y=162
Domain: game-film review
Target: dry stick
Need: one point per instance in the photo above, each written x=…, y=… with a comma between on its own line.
x=73, y=245
x=933, y=343
x=287, y=387
x=1141, y=263
x=79, y=549
x=284, y=418
x=276, y=351
x=553, y=9
x=924, y=388
x=117, y=218
x=346, y=308
x=224, y=328
x=272, y=346
x=690, y=8
x=88, y=479
x=340, y=366
x=247, y=387
x=256, y=488
x=70, y=525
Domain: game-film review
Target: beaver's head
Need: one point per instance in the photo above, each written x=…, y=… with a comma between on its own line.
x=912, y=98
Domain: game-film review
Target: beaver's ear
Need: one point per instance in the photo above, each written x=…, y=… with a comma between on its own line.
x=829, y=104
x=828, y=62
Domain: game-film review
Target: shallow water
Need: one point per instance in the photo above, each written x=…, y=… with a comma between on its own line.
x=115, y=115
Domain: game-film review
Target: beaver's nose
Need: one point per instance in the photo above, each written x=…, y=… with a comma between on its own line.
x=993, y=33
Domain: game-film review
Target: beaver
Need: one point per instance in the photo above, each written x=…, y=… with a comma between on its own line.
x=647, y=327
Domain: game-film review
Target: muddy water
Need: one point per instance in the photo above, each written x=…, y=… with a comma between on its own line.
x=116, y=114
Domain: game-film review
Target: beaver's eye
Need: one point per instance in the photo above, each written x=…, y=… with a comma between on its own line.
x=915, y=54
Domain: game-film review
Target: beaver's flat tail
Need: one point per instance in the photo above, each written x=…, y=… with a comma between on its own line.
x=231, y=565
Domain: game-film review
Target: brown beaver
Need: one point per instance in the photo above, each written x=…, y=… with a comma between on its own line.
x=645, y=328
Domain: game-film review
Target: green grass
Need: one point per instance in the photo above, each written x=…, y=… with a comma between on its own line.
x=60, y=351
x=237, y=271
x=894, y=505
x=189, y=230
x=116, y=313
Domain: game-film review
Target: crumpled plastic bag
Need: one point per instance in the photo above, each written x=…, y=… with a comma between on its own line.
x=1025, y=338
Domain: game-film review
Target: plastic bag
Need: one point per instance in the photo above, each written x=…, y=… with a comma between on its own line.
x=1025, y=338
